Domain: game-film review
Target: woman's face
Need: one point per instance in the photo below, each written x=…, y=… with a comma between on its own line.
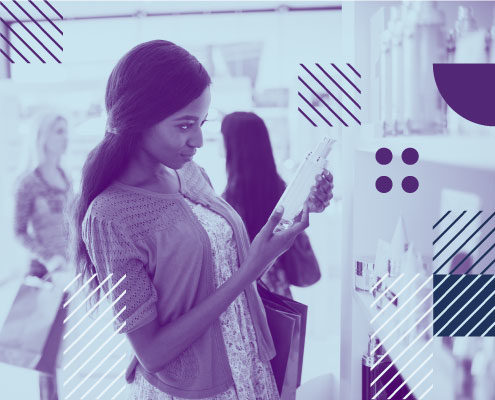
x=173, y=141
x=56, y=138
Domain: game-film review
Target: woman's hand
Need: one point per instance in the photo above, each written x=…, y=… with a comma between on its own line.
x=321, y=193
x=268, y=245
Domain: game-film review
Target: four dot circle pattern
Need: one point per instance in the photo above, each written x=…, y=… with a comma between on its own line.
x=384, y=156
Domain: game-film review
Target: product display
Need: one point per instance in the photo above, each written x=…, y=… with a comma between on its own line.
x=364, y=275
x=297, y=191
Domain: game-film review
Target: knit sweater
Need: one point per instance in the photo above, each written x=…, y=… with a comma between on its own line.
x=156, y=241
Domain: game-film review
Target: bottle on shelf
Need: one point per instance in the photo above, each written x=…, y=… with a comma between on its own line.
x=424, y=44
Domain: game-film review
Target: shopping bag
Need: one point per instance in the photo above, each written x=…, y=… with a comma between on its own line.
x=287, y=322
x=31, y=334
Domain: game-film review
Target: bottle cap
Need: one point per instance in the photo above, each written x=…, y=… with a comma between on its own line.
x=324, y=147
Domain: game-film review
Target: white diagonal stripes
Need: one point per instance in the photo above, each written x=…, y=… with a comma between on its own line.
x=403, y=336
x=403, y=319
x=418, y=384
x=94, y=307
x=404, y=382
x=474, y=312
x=71, y=282
x=103, y=376
x=465, y=305
x=79, y=290
x=403, y=305
x=386, y=290
x=87, y=298
x=489, y=329
x=426, y=392
x=96, y=337
x=94, y=322
x=119, y=392
x=378, y=283
x=111, y=384
x=395, y=359
x=94, y=369
x=395, y=297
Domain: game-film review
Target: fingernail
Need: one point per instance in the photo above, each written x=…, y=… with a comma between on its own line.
x=279, y=209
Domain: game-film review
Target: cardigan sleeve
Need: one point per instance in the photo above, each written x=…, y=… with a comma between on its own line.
x=116, y=257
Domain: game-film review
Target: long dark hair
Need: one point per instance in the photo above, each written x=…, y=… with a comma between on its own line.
x=152, y=81
x=253, y=185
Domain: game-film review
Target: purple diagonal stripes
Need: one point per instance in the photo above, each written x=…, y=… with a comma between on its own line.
x=17, y=51
x=441, y=219
x=456, y=236
x=462, y=245
x=309, y=119
x=340, y=87
x=38, y=25
x=46, y=17
x=7, y=56
x=323, y=101
x=450, y=226
x=351, y=67
x=31, y=33
x=314, y=108
x=346, y=78
x=54, y=9
x=22, y=40
x=331, y=94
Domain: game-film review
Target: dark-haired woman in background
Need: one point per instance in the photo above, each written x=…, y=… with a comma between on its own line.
x=148, y=220
x=254, y=186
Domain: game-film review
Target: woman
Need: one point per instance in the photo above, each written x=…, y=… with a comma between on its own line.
x=40, y=225
x=254, y=186
x=148, y=216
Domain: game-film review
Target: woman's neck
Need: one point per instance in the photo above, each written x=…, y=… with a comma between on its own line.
x=144, y=172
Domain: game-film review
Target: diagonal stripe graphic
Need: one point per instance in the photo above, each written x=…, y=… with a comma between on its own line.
x=406, y=380
x=15, y=48
x=46, y=17
x=38, y=25
x=463, y=244
x=455, y=236
x=119, y=392
x=378, y=283
x=332, y=95
x=426, y=392
x=346, y=78
x=72, y=282
x=54, y=9
x=103, y=376
x=22, y=40
x=450, y=226
x=419, y=384
x=314, y=108
x=351, y=67
x=7, y=56
x=79, y=290
x=111, y=384
x=488, y=267
x=482, y=320
x=304, y=114
x=340, y=87
x=322, y=101
x=29, y=31
x=481, y=258
x=473, y=250
x=386, y=290
x=441, y=219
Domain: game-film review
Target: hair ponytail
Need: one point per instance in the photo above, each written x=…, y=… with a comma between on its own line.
x=152, y=81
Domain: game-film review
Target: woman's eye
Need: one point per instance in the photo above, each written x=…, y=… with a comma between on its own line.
x=202, y=123
x=184, y=127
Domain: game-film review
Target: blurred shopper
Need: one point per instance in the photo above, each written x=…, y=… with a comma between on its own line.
x=253, y=189
x=147, y=212
x=40, y=224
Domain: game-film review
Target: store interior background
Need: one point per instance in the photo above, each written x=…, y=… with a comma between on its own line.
x=253, y=51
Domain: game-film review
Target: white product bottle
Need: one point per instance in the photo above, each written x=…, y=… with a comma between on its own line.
x=397, y=56
x=386, y=84
x=298, y=190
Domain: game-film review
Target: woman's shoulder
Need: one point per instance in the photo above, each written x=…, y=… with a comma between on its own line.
x=29, y=182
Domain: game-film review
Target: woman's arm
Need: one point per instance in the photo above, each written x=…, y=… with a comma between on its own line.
x=157, y=345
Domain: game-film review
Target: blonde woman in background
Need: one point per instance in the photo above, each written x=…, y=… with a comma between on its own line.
x=40, y=224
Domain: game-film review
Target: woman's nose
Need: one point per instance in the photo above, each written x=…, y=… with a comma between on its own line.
x=196, y=138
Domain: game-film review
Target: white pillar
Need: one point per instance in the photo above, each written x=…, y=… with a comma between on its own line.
x=4, y=63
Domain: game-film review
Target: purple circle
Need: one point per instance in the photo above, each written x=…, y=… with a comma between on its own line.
x=410, y=184
x=410, y=156
x=383, y=184
x=383, y=156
